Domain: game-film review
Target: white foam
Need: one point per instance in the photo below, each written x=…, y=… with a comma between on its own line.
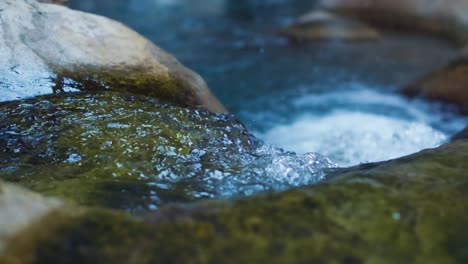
x=350, y=138
x=359, y=125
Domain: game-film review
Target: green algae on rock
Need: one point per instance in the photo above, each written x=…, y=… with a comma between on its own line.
x=105, y=148
x=135, y=153
x=409, y=210
x=124, y=79
x=51, y=48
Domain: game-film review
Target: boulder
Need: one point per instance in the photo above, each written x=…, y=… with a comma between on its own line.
x=449, y=84
x=447, y=18
x=51, y=49
x=322, y=25
x=115, y=150
x=20, y=208
x=409, y=210
x=136, y=153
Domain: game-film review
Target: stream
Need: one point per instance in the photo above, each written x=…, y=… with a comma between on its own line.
x=331, y=97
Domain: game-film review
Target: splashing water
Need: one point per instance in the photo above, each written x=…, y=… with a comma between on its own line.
x=267, y=168
x=360, y=125
x=146, y=152
x=354, y=137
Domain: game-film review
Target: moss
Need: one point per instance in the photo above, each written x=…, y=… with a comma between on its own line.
x=136, y=80
x=109, y=149
x=84, y=236
x=410, y=210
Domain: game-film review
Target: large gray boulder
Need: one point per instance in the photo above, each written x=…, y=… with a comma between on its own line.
x=49, y=48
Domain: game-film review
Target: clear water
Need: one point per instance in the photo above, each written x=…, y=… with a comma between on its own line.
x=339, y=99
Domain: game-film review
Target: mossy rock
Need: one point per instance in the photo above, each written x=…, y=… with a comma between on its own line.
x=123, y=79
x=135, y=153
x=409, y=210
x=115, y=150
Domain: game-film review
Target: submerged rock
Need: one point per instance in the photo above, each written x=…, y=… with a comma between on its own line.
x=135, y=153
x=447, y=18
x=49, y=48
x=449, y=84
x=409, y=210
x=320, y=25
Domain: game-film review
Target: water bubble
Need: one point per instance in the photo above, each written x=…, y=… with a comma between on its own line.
x=73, y=158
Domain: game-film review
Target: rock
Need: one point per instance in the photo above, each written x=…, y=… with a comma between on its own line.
x=135, y=153
x=112, y=149
x=59, y=2
x=449, y=84
x=409, y=210
x=320, y=25
x=50, y=48
x=20, y=208
x=461, y=135
x=445, y=18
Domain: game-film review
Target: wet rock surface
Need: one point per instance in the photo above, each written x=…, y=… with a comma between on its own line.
x=135, y=153
x=408, y=210
x=322, y=25
x=449, y=84
x=50, y=48
x=121, y=152
x=444, y=18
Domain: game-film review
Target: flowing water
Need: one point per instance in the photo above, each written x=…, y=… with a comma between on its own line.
x=330, y=97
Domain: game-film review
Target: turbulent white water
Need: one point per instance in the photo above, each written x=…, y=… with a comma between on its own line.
x=354, y=137
x=362, y=126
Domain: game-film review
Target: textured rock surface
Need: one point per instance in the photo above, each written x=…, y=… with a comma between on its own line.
x=322, y=25
x=409, y=210
x=449, y=84
x=20, y=208
x=49, y=48
x=447, y=18
x=135, y=153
